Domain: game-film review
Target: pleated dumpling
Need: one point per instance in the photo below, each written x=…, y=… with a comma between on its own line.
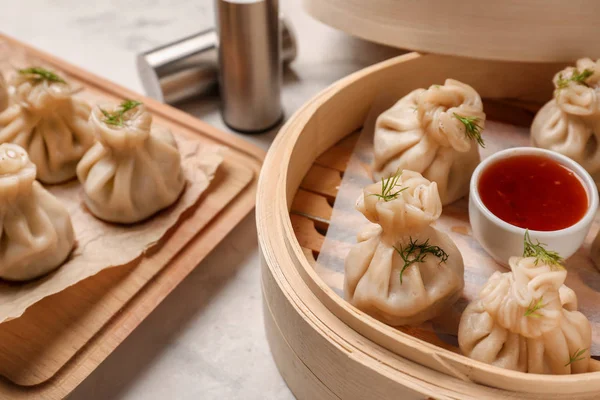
x=527, y=320
x=570, y=123
x=134, y=170
x=48, y=122
x=36, y=234
x=435, y=132
x=402, y=271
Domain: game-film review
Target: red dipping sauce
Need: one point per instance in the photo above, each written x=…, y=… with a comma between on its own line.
x=533, y=192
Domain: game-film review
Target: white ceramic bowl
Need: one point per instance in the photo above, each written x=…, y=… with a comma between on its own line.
x=502, y=240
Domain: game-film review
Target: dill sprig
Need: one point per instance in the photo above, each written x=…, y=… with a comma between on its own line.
x=548, y=257
x=534, y=307
x=116, y=117
x=472, y=128
x=582, y=77
x=577, y=77
x=37, y=74
x=577, y=356
x=419, y=252
x=387, y=187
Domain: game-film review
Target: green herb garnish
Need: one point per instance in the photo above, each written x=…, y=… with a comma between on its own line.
x=419, y=251
x=576, y=77
x=577, y=356
x=387, y=187
x=472, y=128
x=116, y=117
x=581, y=78
x=548, y=257
x=534, y=307
x=37, y=74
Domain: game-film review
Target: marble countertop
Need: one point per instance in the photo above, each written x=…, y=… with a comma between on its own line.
x=206, y=340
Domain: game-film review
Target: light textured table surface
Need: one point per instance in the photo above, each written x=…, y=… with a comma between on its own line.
x=206, y=340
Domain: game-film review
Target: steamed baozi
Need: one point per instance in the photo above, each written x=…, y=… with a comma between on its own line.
x=48, y=122
x=402, y=271
x=527, y=320
x=134, y=170
x=435, y=132
x=36, y=235
x=570, y=123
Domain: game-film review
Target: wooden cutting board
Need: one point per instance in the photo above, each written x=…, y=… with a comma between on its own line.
x=59, y=341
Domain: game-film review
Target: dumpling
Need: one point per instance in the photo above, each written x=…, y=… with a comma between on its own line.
x=134, y=170
x=435, y=132
x=3, y=94
x=527, y=320
x=36, y=234
x=48, y=122
x=402, y=271
x=570, y=123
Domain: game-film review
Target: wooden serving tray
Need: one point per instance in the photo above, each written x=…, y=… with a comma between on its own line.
x=325, y=347
x=59, y=341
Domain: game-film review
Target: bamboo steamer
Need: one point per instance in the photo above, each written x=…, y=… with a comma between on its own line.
x=516, y=30
x=324, y=347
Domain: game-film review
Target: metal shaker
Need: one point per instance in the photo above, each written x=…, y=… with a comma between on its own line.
x=180, y=70
x=250, y=71
x=188, y=67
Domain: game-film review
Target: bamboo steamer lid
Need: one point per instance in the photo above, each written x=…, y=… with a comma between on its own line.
x=512, y=30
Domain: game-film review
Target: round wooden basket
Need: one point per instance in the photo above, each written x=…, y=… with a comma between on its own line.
x=324, y=347
x=516, y=30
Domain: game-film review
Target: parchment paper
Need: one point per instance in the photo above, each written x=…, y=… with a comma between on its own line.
x=346, y=222
x=102, y=245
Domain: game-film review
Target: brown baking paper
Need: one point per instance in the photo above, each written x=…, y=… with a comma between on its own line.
x=101, y=245
x=346, y=222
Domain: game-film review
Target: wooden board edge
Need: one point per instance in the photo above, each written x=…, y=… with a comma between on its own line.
x=139, y=307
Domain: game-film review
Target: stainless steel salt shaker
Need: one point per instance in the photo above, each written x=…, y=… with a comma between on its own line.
x=180, y=70
x=188, y=67
x=250, y=71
